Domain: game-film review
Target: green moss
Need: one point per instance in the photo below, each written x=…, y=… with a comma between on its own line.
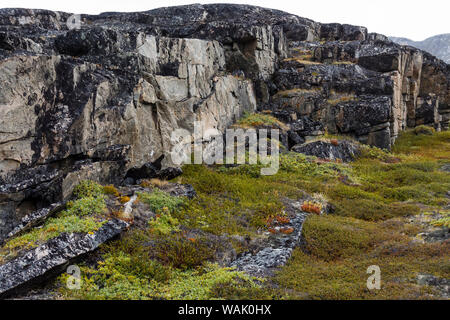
x=84, y=214
x=444, y=221
x=228, y=202
x=66, y=223
x=258, y=120
x=86, y=206
x=338, y=251
x=110, y=189
x=432, y=147
x=371, y=197
x=87, y=188
x=164, y=224
x=422, y=129
x=158, y=200
x=182, y=253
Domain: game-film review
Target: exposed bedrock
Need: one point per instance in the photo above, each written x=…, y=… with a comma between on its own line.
x=56, y=253
x=371, y=89
x=96, y=101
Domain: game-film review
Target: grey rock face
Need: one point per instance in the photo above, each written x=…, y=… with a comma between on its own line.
x=53, y=254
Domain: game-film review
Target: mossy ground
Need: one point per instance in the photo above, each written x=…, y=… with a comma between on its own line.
x=372, y=199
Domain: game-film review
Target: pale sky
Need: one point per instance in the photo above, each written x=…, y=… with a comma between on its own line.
x=412, y=19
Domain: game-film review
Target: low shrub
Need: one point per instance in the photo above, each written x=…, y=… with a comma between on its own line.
x=87, y=188
x=111, y=190
x=164, y=223
x=86, y=206
x=422, y=129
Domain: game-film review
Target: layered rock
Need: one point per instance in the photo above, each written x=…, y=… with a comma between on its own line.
x=367, y=87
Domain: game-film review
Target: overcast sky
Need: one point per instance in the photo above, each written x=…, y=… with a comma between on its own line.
x=412, y=19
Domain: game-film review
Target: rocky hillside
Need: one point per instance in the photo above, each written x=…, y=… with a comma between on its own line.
x=98, y=102
x=437, y=45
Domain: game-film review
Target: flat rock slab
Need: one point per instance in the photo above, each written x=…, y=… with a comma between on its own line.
x=34, y=218
x=276, y=252
x=55, y=253
x=343, y=150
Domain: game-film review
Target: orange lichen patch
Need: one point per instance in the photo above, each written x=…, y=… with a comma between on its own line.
x=272, y=230
x=145, y=184
x=312, y=207
x=282, y=220
x=287, y=230
x=124, y=199
x=122, y=216
x=278, y=219
x=334, y=142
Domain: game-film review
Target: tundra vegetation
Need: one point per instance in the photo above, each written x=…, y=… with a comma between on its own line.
x=373, y=199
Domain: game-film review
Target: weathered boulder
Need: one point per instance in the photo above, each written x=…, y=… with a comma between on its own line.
x=345, y=151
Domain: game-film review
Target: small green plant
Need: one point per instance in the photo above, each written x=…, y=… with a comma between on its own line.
x=88, y=188
x=157, y=200
x=164, y=223
x=86, y=206
x=444, y=221
x=251, y=120
x=66, y=223
x=181, y=253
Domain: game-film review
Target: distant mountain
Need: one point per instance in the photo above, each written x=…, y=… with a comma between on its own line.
x=438, y=45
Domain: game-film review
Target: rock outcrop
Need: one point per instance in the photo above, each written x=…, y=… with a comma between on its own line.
x=369, y=89
x=91, y=97
x=57, y=252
